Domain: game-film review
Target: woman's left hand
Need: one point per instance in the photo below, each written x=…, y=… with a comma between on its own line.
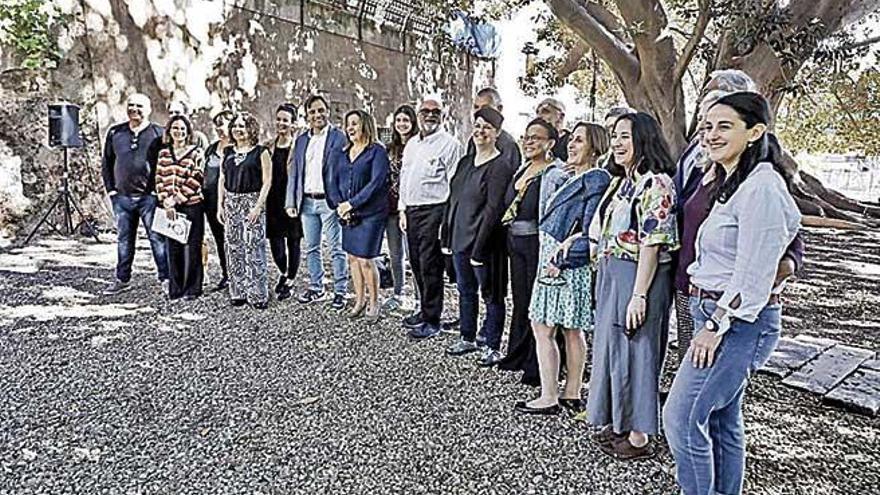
x=635, y=312
x=254, y=216
x=703, y=348
x=343, y=209
x=552, y=270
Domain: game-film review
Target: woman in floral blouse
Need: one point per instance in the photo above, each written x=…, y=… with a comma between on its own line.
x=636, y=232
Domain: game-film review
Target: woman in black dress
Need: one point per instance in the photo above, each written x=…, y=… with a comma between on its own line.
x=360, y=187
x=526, y=199
x=283, y=231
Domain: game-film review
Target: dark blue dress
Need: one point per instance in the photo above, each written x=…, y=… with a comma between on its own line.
x=364, y=184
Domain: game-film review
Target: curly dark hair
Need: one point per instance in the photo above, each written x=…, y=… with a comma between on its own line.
x=650, y=151
x=250, y=123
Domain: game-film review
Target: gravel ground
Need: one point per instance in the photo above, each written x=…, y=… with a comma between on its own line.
x=130, y=394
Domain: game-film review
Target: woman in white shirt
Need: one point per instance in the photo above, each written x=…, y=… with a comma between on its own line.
x=734, y=303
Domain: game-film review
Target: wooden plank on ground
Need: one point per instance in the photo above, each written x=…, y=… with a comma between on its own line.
x=828, y=369
x=791, y=354
x=859, y=392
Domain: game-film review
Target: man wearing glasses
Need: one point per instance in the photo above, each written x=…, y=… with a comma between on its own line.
x=428, y=164
x=128, y=170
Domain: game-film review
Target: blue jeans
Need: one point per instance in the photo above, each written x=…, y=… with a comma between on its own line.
x=128, y=210
x=470, y=279
x=317, y=220
x=703, y=414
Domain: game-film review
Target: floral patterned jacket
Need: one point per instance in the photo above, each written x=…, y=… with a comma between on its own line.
x=638, y=212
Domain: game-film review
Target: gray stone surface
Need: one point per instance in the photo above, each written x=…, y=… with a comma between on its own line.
x=860, y=392
x=828, y=369
x=791, y=354
x=872, y=364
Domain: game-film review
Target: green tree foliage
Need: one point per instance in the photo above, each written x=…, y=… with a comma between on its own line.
x=26, y=26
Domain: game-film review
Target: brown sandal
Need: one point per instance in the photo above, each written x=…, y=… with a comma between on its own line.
x=606, y=436
x=623, y=450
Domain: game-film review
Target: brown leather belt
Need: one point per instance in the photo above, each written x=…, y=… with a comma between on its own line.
x=715, y=295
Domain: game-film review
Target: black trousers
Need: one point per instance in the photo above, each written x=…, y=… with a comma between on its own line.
x=286, y=254
x=523, y=252
x=185, y=270
x=217, y=231
x=426, y=259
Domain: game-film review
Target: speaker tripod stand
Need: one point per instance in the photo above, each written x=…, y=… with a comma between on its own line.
x=67, y=203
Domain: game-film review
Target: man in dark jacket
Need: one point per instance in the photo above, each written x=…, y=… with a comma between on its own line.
x=128, y=168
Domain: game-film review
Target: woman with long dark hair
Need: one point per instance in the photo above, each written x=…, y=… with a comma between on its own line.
x=526, y=200
x=360, y=187
x=734, y=297
x=283, y=231
x=561, y=296
x=179, y=172
x=637, y=232
x=244, y=186
x=406, y=125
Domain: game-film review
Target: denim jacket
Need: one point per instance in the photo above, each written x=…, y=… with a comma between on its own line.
x=573, y=204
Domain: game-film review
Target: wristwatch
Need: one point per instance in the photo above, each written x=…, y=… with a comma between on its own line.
x=712, y=325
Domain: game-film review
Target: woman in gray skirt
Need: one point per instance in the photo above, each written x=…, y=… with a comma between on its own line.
x=637, y=232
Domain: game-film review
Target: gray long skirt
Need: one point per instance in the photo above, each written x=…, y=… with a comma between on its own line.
x=625, y=375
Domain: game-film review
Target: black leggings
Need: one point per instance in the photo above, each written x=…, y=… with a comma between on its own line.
x=287, y=260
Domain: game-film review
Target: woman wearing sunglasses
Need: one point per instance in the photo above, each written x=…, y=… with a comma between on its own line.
x=562, y=293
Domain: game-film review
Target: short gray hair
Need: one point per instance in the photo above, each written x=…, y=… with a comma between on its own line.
x=732, y=80
x=492, y=94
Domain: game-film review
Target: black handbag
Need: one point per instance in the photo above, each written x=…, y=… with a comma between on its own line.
x=383, y=265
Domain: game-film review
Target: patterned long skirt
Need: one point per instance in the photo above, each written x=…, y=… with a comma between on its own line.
x=246, y=250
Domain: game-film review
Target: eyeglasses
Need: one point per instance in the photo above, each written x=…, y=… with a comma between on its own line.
x=430, y=111
x=533, y=139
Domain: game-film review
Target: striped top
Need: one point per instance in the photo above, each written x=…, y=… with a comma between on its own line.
x=180, y=178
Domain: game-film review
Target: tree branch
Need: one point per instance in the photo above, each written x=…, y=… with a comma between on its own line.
x=687, y=54
x=573, y=59
x=606, y=44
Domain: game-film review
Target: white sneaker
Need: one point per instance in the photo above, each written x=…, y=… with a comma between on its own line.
x=166, y=287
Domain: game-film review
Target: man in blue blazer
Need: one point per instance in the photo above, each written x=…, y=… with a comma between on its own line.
x=307, y=187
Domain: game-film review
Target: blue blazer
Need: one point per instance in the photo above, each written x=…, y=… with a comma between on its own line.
x=296, y=167
x=575, y=203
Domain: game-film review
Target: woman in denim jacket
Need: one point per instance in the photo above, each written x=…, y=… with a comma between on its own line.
x=734, y=297
x=560, y=297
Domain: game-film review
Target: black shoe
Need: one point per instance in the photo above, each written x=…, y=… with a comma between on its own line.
x=575, y=406
x=338, y=301
x=281, y=285
x=523, y=407
x=237, y=302
x=284, y=293
x=413, y=321
x=261, y=305
x=222, y=285
x=309, y=296
x=450, y=325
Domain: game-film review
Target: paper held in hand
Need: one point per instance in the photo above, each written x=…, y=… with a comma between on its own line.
x=176, y=228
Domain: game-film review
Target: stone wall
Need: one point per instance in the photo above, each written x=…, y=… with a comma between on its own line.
x=244, y=54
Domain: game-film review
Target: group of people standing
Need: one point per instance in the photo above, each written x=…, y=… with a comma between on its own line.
x=596, y=231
